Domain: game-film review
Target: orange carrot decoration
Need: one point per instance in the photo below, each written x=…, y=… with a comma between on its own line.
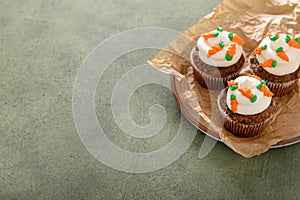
x=215, y=49
x=268, y=63
x=282, y=55
x=293, y=43
x=231, y=83
x=233, y=103
x=237, y=39
x=258, y=51
x=246, y=92
x=262, y=87
x=254, y=76
x=266, y=91
x=231, y=50
x=274, y=37
x=208, y=35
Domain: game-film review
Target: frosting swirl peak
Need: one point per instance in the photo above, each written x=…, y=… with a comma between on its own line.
x=248, y=95
x=279, y=54
x=220, y=48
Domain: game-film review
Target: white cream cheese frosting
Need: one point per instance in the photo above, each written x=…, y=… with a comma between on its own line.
x=245, y=105
x=270, y=49
x=225, y=40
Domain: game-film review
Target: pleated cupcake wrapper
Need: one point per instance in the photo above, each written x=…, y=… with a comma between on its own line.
x=244, y=130
x=211, y=82
x=280, y=89
x=240, y=129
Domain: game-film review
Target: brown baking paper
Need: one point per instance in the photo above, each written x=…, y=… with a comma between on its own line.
x=252, y=21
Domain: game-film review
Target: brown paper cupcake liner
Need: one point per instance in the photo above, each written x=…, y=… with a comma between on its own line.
x=238, y=128
x=244, y=130
x=280, y=89
x=211, y=82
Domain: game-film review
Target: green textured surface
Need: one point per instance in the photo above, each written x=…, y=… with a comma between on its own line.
x=42, y=45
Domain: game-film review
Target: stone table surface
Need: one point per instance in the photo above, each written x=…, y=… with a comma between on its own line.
x=43, y=44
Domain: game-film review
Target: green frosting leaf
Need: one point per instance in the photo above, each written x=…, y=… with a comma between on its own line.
x=219, y=28
x=273, y=38
x=230, y=36
x=274, y=63
x=216, y=34
x=234, y=87
x=228, y=57
x=259, y=86
x=279, y=49
x=263, y=82
x=253, y=99
x=221, y=44
x=264, y=47
x=287, y=38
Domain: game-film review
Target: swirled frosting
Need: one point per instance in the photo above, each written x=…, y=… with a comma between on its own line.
x=220, y=48
x=279, y=54
x=248, y=95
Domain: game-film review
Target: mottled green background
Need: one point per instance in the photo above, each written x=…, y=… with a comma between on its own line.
x=42, y=45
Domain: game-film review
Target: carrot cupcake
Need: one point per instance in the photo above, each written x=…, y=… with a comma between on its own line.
x=217, y=58
x=246, y=106
x=277, y=61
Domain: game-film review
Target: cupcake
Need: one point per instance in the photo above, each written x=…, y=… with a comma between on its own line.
x=217, y=58
x=246, y=106
x=276, y=60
